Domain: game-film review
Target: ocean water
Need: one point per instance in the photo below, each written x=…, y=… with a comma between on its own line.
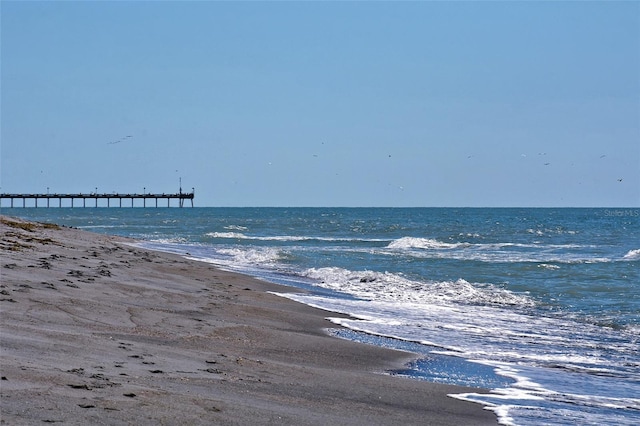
x=541, y=306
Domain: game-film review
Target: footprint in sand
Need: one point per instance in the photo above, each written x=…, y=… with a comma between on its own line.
x=75, y=386
x=212, y=370
x=103, y=270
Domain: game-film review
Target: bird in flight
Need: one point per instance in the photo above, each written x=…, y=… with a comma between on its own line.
x=119, y=140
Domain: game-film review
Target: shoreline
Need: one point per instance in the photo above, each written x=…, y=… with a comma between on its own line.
x=96, y=331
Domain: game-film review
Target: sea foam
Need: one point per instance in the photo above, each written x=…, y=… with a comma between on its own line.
x=386, y=286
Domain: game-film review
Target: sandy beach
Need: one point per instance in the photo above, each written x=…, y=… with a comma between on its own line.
x=96, y=331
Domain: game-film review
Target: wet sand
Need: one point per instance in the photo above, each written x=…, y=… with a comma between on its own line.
x=95, y=331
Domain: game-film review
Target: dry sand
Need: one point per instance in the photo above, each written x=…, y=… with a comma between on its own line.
x=95, y=331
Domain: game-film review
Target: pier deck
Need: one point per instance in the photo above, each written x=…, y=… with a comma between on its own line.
x=180, y=197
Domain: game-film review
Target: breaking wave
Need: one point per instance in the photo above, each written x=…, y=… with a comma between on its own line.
x=632, y=255
x=505, y=252
x=423, y=243
x=390, y=287
x=241, y=236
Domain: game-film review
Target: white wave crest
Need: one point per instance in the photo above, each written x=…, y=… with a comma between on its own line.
x=423, y=243
x=236, y=235
x=632, y=255
x=389, y=287
x=236, y=227
x=507, y=252
x=633, y=329
x=548, y=231
x=548, y=266
x=432, y=244
x=253, y=256
x=241, y=236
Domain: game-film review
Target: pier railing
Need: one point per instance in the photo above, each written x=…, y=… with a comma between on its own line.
x=180, y=197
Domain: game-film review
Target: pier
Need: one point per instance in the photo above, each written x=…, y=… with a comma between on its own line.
x=180, y=197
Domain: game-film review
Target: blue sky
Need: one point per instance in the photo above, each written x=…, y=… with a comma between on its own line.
x=325, y=103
